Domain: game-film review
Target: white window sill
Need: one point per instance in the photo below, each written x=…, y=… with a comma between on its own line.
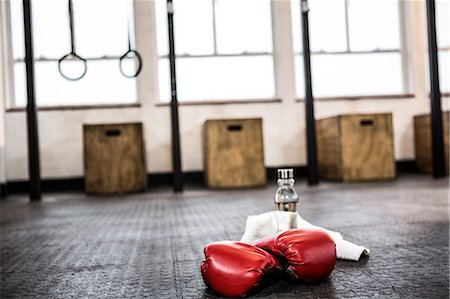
x=220, y=102
x=362, y=97
x=77, y=107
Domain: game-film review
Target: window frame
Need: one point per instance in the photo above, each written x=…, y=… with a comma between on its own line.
x=407, y=89
x=274, y=99
x=9, y=62
x=284, y=74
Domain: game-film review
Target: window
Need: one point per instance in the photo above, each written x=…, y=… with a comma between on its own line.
x=443, y=41
x=223, y=49
x=101, y=38
x=355, y=47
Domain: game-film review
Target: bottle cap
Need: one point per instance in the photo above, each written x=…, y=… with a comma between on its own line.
x=285, y=174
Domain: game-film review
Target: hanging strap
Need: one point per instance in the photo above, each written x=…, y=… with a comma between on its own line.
x=72, y=56
x=72, y=36
x=131, y=52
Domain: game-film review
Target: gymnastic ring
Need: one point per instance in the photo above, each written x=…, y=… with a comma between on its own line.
x=71, y=56
x=139, y=65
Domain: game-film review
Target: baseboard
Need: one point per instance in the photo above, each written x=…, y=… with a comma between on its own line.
x=165, y=178
x=3, y=191
x=299, y=172
x=77, y=184
x=162, y=179
x=406, y=166
x=48, y=185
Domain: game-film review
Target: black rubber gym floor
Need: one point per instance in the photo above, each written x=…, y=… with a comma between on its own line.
x=151, y=245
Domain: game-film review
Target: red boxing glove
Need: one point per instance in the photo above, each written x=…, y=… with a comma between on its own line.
x=310, y=253
x=233, y=269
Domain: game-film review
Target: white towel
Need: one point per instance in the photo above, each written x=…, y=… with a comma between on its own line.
x=271, y=223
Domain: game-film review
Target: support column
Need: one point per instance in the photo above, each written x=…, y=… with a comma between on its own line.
x=313, y=176
x=176, y=150
x=33, y=142
x=436, y=110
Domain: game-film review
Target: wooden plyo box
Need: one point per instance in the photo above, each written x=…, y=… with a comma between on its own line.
x=114, y=158
x=423, y=143
x=356, y=147
x=234, y=153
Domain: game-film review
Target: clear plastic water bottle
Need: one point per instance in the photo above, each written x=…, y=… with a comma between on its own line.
x=286, y=198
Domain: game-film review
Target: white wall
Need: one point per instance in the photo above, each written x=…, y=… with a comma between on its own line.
x=2, y=104
x=2, y=132
x=60, y=131
x=2, y=135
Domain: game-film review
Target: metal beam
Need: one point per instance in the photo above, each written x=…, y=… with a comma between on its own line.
x=176, y=150
x=436, y=111
x=313, y=177
x=33, y=142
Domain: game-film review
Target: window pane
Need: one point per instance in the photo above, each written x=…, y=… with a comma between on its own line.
x=300, y=77
x=296, y=26
x=374, y=24
x=20, y=86
x=50, y=28
x=352, y=75
x=103, y=84
x=444, y=71
x=192, y=24
x=161, y=27
x=100, y=26
x=443, y=23
x=96, y=33
x=243, y=26
x=164, y=80
x=327, y=25
x=17, y=31
x=219, y=78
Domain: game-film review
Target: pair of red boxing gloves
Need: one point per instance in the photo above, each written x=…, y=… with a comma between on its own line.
x=235, y=269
